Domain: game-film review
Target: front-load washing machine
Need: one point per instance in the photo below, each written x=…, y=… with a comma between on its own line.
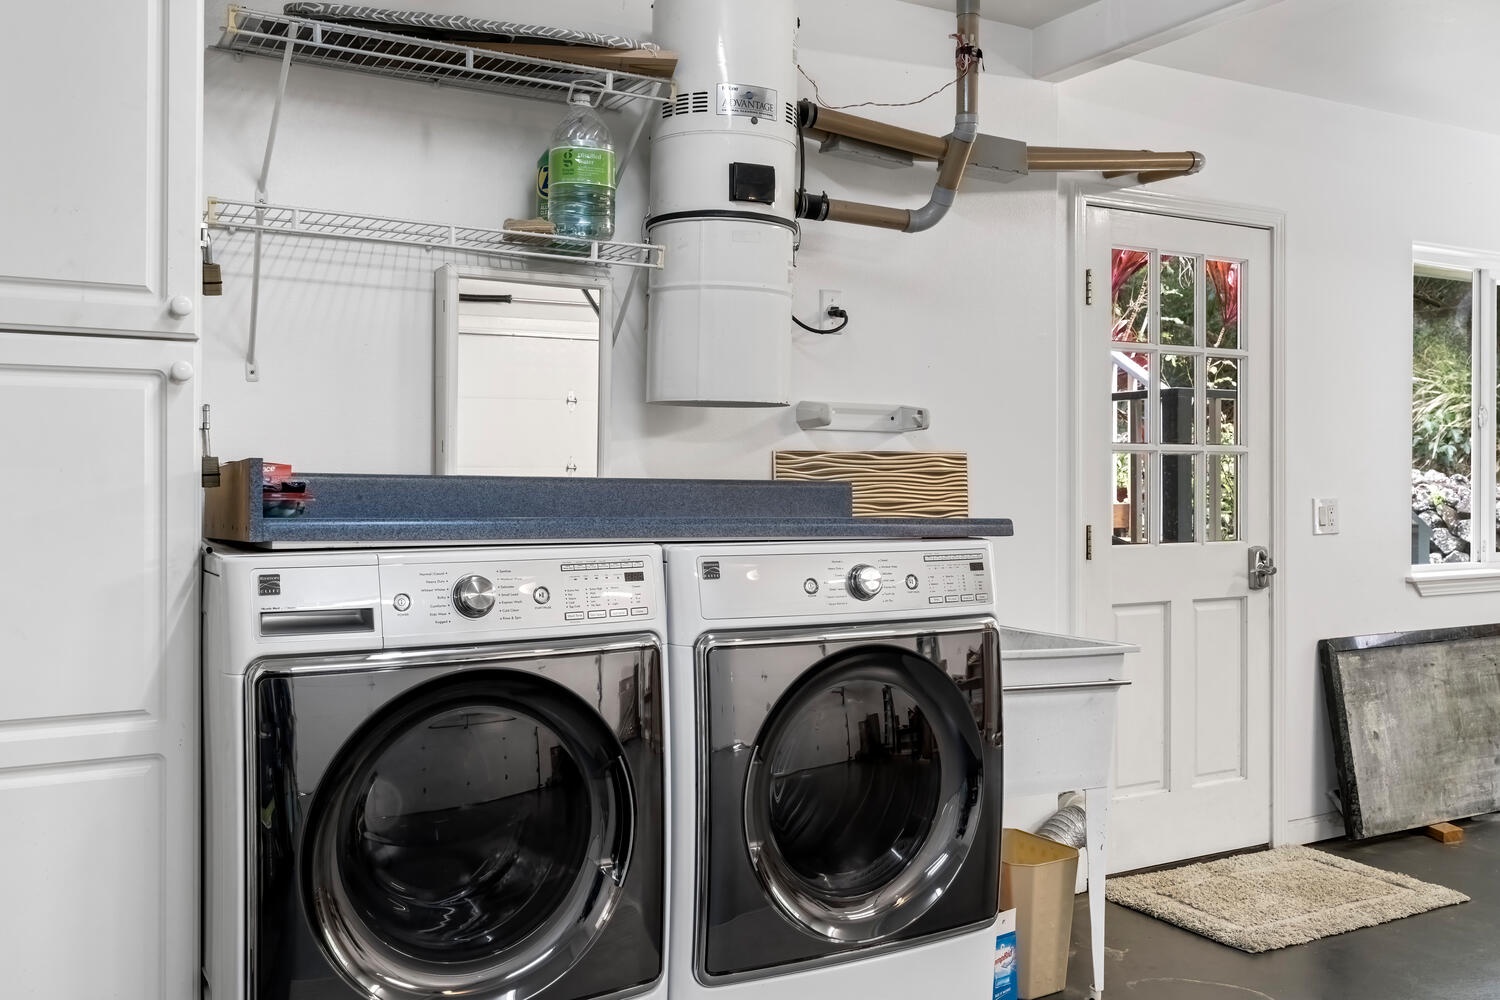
x=836, y=769
x=435, y=773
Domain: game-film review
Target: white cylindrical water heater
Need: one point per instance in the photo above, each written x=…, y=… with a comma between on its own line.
x=723, y=194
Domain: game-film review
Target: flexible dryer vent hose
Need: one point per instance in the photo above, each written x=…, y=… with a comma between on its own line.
x=1066, y=826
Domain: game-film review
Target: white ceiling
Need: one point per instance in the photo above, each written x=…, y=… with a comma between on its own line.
x=1021, y=13
x=1428, y=59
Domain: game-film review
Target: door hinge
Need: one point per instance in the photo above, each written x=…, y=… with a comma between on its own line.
x=1088, y=542
x=1088, y=286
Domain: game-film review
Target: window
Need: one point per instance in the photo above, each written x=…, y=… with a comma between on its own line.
x=1175, y=391
x=1453, y=404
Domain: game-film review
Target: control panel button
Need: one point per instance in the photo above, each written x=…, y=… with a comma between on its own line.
x=596, y=614
x=967, y=598
x=618, y=612
x=981, y=597
x=864, y=582
x=912, y=581
x=934, y=600
x=950, y=599
x=541, y=595
x=639, y=612
x=474, y=596
x=573, y=616
x=809, y=586
x=401, y=602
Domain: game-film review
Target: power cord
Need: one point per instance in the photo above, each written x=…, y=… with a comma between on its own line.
x=837, y=312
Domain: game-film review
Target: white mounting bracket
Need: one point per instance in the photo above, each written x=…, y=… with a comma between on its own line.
x=877, y=417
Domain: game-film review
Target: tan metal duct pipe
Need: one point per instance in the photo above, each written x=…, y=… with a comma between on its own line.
x=952, y=152
x=1116, y=161
x=920, y=144
x=860, y=214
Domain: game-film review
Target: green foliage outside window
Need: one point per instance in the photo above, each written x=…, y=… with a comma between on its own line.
x=1442, y=372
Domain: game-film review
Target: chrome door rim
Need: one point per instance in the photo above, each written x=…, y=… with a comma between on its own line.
x=377, y=967
x=926, y=876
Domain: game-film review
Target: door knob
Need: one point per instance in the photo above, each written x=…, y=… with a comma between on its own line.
x=181, y=371
x=180, y=306
x=1261, y=567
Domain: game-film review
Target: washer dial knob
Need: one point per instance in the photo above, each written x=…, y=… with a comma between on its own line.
x=864, y=582
x=473, y=596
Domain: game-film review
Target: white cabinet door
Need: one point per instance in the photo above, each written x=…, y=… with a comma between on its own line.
x=98, y=668
x=100, y=194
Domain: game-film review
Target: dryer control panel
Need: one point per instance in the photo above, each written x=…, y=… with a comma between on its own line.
x=421, y=595
x=775, y=585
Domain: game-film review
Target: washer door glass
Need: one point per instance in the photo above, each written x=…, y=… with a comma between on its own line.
x=470, y=838
x=863, y=793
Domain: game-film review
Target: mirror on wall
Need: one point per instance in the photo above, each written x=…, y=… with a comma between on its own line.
x=520, y=372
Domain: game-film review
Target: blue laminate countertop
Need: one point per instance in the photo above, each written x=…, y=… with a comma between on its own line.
x=358, y=510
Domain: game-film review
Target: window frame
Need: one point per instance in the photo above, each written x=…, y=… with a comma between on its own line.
x=1481, y=573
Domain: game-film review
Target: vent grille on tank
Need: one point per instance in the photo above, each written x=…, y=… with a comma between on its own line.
x=686, y=104
x=791, y=116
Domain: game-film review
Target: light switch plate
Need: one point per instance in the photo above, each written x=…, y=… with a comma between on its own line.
x=1325, y=515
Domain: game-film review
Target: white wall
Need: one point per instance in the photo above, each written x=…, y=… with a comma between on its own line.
x=1358, y=188
x=967, y=319
x=961, y=320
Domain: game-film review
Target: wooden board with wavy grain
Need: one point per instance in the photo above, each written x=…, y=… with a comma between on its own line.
x=887, y=483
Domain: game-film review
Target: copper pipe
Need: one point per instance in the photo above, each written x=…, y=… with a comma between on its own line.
x=878, y=133
x=862, y=214
x=1114, y=160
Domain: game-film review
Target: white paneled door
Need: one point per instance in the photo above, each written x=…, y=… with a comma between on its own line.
x=98, y=669
x=1177, y=460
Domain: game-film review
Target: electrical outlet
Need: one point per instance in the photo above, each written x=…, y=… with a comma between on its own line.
x=829, y=298
x=1325, y=515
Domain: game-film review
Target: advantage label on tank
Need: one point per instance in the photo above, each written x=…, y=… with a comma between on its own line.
x=742, y=100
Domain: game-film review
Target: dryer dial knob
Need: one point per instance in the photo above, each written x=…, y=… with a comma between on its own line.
x=864, y=582
x=474, y=596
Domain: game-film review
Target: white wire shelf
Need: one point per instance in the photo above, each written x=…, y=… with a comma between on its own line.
x=288, y=220
x=404, y=57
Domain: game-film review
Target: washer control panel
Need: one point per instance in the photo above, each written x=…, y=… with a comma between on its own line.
x=774, y=585
x=421, y=595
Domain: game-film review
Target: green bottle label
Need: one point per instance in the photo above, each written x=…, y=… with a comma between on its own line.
x=541, y=185
x=581, y=165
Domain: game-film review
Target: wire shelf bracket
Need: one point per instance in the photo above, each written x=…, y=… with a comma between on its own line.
x=251, y=32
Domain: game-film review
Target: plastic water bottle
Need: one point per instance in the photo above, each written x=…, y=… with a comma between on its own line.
x=581, y=174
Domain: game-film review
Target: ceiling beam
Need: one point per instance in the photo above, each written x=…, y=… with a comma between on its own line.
x=1107, y=31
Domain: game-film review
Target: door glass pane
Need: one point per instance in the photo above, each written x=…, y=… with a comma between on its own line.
x=1177, y=329
x=1179, y=492
x=467, y=833
x=854, y=786
x=1130, y=295
x=1177, y=381
x=1223, y=498
x=1223, y=425
x=1131, y=506
x=1128, y=391
x=1222, y=302
x=1441, y=374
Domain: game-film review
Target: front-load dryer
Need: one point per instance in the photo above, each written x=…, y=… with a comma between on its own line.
x=435, y=773
x=836, y=770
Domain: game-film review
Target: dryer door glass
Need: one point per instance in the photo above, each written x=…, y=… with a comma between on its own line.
x=469, y=839
x=862, y=794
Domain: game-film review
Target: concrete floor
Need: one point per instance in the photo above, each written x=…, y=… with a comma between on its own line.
x=1452, y=953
